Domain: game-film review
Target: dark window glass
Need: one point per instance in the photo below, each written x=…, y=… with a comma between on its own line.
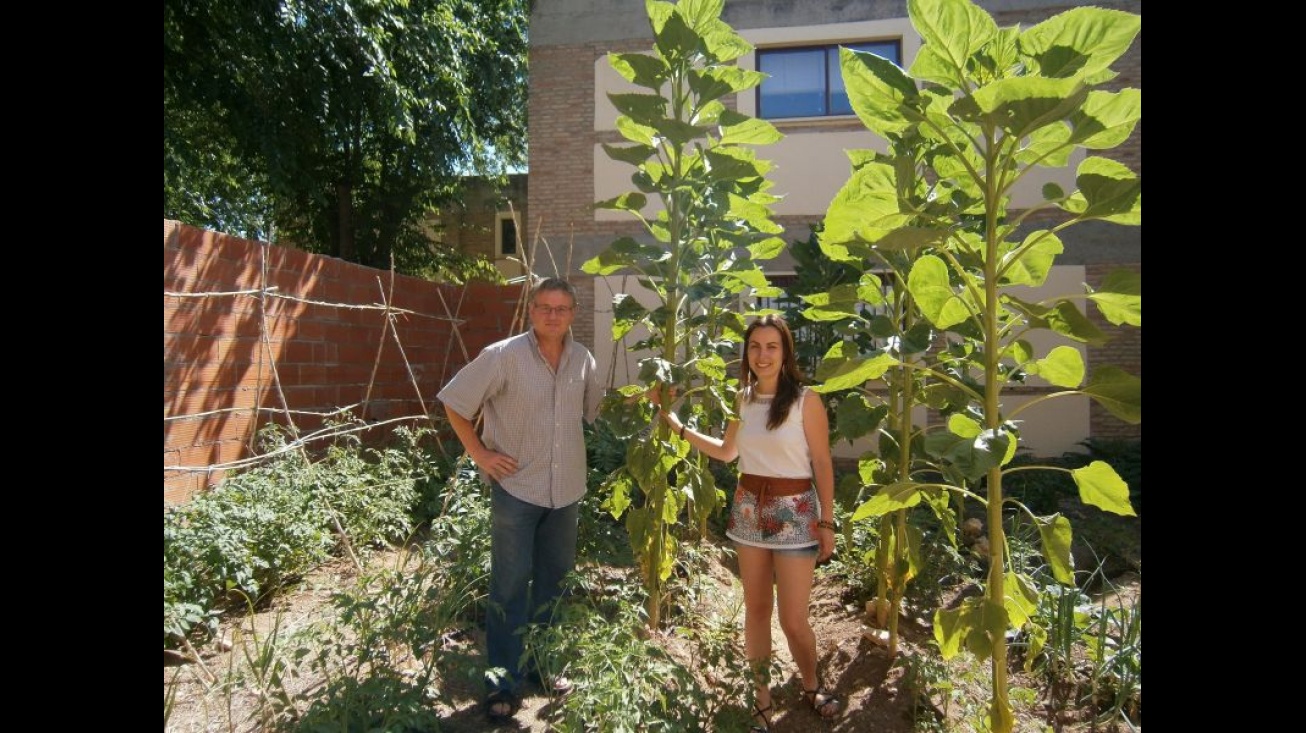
x=807, y=82
x=507, y=236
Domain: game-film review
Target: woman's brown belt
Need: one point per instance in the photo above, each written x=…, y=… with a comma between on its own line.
x=765, y=486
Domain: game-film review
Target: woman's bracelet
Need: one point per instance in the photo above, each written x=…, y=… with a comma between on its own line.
x=826, y=524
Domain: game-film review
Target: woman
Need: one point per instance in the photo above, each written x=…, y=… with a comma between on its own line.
x=780, y=523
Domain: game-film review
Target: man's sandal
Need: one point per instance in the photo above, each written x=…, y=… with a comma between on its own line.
x=760, y=713
x=825, y=703
x=500, y=706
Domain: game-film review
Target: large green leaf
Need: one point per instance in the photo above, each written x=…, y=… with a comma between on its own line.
x=868, y=200
x=904, y=238
x=741, y=279
x=626, y=313
x=1056, y=538
x=755, y=214
x=989, y=627
x=1120, y=298
x=847, y=373
x=1048, y=147
x=1108, y=190
x=1100, y=486
x=700, y=13
x=711, y=366
x=841, y=302
x=623, y=253
x=1120, y=392
x=971, y=455
x=1021, y=598
x=678, y=132
x=645, y=109
x=625, y=202
x=1107, y=118
x=659, y=11
x=879, y=91
x=635, y=132
x=950, y=627
x=855, y=417
x=618, y=487
x=978, y=623
x=1063, y=317
x=929, y=286
x=640, y=69
x=752, y=132
x=633, y=154
x=1081, y=42
x=724, y=164
x=1062, y=367
x=1037, y=254
x=952, y=30
x=900, y=495
x=724, y=44
x=676, y=40
x=767, y=249
x=963, y=426
x=1019, y=106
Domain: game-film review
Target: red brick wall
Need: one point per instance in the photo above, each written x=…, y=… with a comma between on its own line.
x=321, y=330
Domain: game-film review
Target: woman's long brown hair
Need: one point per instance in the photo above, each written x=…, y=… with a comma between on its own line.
x=791, y=380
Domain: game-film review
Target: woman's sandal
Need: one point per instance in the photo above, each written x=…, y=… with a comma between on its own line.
x=827, y=706
x=765, y=727
x=500, y=706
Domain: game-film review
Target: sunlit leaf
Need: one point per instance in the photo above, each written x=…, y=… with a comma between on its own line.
x=1100, y=486
x=953, y=30
x=1107, y=119
x=963, y=427
x=1118, y=391
x=1055, y=533
x=640, y=69
x=1108, y=190
x=879, y=92
x=1080, y=42
x=901, y=495
x=929, y=286
x=1062, y=367
x=1120, y=298
x=752, y=132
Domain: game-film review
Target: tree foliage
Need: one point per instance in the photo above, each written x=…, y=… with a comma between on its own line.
x=340, y=123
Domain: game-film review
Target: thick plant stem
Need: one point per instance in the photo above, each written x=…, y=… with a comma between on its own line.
x=1000, y=706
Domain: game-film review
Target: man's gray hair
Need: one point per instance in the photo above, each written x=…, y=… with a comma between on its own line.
x=554, y=283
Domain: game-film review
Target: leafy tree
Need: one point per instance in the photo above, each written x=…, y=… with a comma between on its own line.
x=340, y=122
x=980, y=108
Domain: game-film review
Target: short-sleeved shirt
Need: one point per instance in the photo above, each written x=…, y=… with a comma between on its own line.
x=532, y=413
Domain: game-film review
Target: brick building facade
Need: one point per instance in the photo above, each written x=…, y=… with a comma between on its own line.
x=570, y=118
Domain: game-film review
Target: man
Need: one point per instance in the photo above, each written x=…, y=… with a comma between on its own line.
x=533, y=390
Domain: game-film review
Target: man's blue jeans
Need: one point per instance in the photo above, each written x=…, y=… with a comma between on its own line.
x=532, y=548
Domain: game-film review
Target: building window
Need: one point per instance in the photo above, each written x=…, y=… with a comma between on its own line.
x=505, y=235
x=807, y=81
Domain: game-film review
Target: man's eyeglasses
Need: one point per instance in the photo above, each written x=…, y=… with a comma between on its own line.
x=561, y=310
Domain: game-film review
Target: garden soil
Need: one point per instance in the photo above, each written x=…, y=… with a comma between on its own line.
x=853, y=663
